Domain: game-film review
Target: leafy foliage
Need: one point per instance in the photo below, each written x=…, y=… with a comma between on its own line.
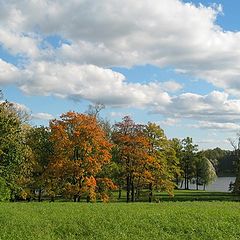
x=80, y=150
x=14, y=153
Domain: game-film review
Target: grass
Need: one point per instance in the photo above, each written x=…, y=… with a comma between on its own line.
x=164, y=220
x=182, y=195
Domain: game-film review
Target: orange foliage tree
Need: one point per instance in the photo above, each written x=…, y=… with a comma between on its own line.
x=81, y=149
x=145, y=157
x=131, y=152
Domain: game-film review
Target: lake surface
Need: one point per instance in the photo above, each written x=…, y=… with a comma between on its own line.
x=221, y=184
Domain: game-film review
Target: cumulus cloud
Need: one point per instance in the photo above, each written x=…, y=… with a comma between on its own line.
x=8, y=73
x=111, y=33
x=217, y=126
x=171, y=86
x=18, y=43
x=92, y=83
x=42, y=116
x=102, y=34
x=215, y=106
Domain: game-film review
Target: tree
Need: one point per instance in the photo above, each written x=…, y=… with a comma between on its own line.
x=177, y=146
x=205, y=172
x=187, y=160
x=236, y=146
x=14, y=153
x=131, y=147
x=80, y=150
x=145, y=157
x=38, y=139
x=162, y=167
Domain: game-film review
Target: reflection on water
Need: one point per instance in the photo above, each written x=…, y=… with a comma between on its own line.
x=221, y=184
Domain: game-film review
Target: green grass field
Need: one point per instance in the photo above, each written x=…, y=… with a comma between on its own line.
x=182, y=195
x=164, y=220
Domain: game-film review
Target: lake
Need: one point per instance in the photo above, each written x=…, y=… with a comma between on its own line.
x=221, y=184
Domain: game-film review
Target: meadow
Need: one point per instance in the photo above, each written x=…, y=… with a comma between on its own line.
x=164, y=220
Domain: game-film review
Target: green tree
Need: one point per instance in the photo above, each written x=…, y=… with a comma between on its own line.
x=236, y=146
x=14, y=153
x=187, y=160
x=205, y=172
x=162, y=168
x=38, y=139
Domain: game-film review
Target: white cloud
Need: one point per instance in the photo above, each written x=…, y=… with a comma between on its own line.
x=42, y=116
x=170, y=122
x=217, y=125
x=8, y=73
x=18, y=43
x=111, y=33
x=165, y=33
x=92, y=83
x=215, y=106
x=171, y=86
x=118, y=114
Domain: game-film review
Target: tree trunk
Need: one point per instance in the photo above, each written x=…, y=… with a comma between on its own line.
x=137, y=196
x=119, y=193
x=185, y=181
x=197, y=181
x=132, y=192
x=150, y=192
x=128, y=188
x=181, y=184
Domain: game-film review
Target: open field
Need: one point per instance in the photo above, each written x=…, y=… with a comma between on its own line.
x=165, y=220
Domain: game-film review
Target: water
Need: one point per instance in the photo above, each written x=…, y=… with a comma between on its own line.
x=221, y=184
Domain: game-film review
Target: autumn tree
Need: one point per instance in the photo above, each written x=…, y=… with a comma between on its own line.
x=80, y=151
x=95, y=110
x=131, y=153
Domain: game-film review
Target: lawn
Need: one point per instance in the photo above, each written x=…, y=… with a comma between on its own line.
x=182, y=195
x=164, y=220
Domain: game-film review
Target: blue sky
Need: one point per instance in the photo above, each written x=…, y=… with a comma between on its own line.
x=170, y=61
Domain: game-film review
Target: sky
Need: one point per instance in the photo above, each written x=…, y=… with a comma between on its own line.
x=176, y=63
